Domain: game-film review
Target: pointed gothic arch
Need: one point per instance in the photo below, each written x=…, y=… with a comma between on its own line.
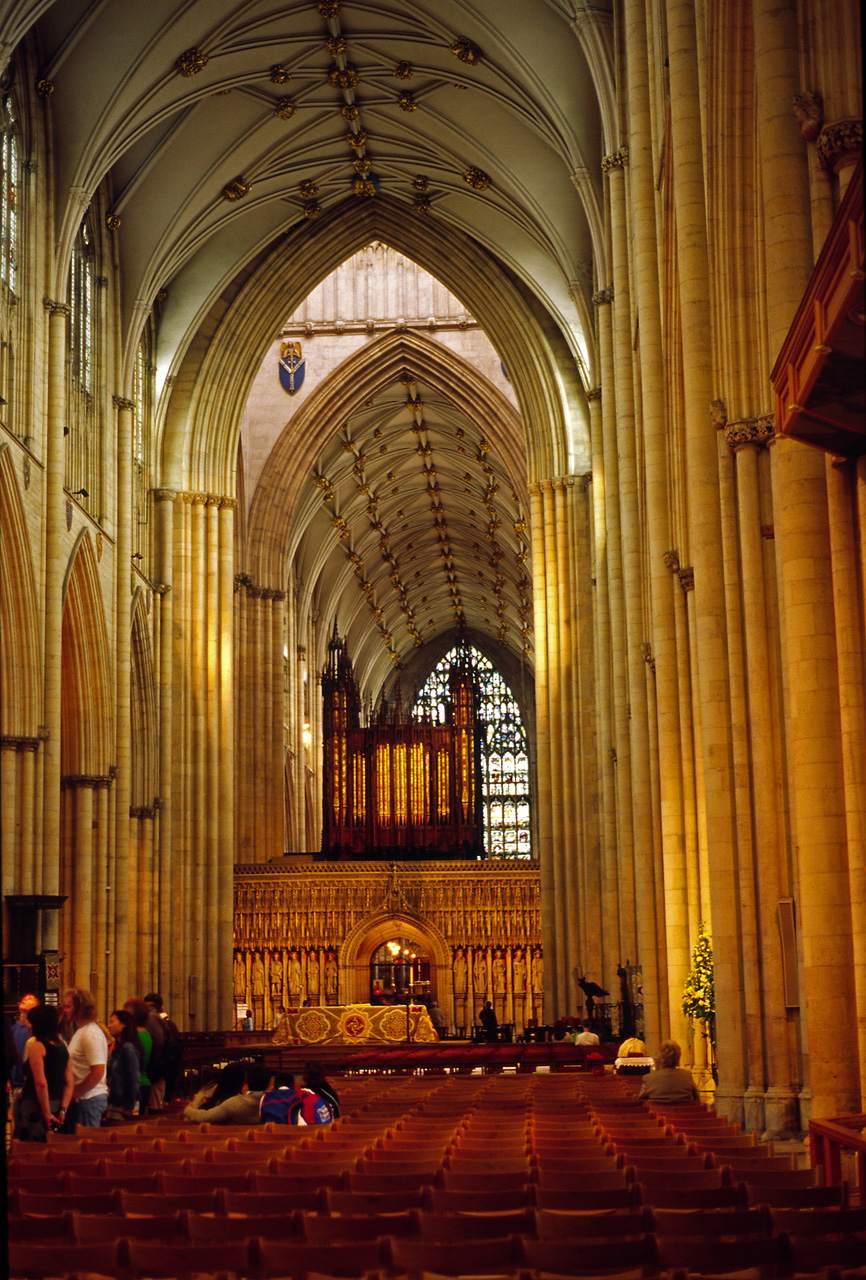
x=86, y=690
x=19, y=618
x=227, y=344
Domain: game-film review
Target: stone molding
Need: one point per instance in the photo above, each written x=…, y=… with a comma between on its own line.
x=672, y=561
x=603, y=296
x=687, y=578
x=122, y=403
x=16, y=742
x=164, y=495
x=256, y=592
x=95, y=781
x=809, y=110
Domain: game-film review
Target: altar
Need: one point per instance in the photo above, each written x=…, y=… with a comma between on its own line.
x=356, y=1024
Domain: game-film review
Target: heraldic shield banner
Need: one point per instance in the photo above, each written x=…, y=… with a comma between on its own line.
x=293, y=366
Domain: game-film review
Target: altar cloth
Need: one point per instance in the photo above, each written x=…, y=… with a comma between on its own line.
x=355, y=1024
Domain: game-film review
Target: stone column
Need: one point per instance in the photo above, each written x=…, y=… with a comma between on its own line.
x=780, y=1117
x=672, y=765
x=643, y=851
x=127, y=941
x=10, y=864
x=225, y=781
x=610, y=640
x=210, y=991
x=56, y=558
x=168, y=975
x=704, y=520
x=546, y=837
x=804, y=566
x=26, y=816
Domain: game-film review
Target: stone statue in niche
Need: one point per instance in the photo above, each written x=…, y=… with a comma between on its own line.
x=240, y=975
x=295, y=977
x=459, y=970
x=257, y=976
x=313, y=976
x=519, y=970
x=538, y=972
x=331, y=980
x=498, y=973
x=479, y=972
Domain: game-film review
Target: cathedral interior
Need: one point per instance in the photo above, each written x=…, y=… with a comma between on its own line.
x=433, y=494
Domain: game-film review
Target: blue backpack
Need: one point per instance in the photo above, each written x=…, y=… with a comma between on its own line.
x=277, y=1106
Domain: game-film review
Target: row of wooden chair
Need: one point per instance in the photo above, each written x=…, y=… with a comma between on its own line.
x=540, y=1224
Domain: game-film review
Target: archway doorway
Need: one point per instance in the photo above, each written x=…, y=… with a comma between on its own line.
x=399, y=967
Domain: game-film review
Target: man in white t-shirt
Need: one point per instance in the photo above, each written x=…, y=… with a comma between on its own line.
x=88, y=1055
x=587, y=1035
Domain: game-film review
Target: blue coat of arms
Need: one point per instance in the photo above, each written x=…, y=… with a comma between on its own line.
x=293, y=366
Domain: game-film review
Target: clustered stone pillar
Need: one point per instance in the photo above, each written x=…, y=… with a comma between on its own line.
x=261, y=713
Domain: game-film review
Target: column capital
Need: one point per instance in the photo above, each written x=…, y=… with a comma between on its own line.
x=616, y=160
x=231, y=503
x=603, y=296
x=672, y=561
x=687, y=578
x=122, y=403
x=13, y=742
x=594, y=393
x=840, y=143
x=55, y=308
x=750, y=432
x=164, y=495
x=86, y=780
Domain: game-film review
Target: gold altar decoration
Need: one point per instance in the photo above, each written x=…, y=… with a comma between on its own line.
x=356, y=1024
x=306, y=930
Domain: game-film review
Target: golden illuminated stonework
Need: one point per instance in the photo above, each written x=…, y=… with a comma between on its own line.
x=466, y=50
x=356, y=140
x=285, y=108
x=477, y=179
x=112, y=221
x=279, y=75
x=191, y=62
x=344, y=77
x=309, y=188
x=45, y=88
x=403, y=71
x=406, y=101
x=237, y=189
x=335, y=46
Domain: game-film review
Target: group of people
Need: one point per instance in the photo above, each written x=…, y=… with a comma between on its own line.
x=66, y=1068
x=247, y=1093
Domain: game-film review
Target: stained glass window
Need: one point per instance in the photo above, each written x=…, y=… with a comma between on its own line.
x=506, y=798
x=9, y=200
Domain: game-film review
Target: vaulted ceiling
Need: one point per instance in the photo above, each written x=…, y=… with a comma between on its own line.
x=220, y=124
x=218, y=127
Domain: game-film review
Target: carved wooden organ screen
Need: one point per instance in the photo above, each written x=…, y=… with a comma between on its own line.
x=398, y=786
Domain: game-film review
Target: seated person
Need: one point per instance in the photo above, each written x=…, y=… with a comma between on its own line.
x=631, y=1058
x=241, y=1108
x=669, y=1083
x=587, y=1035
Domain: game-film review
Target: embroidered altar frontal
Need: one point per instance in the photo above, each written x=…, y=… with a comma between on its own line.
x=356, y=1024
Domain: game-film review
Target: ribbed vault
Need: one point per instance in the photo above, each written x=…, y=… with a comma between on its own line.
x=210, y=387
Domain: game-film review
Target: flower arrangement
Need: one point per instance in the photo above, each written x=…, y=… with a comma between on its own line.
x=699, y=995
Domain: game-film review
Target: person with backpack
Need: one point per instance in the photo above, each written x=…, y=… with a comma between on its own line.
x=314, y=1103
x=242, y=1108
x=315, y=1082
x=172, y=1049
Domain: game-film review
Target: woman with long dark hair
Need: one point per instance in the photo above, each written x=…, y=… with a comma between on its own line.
x=314, y=1080
x=47, y=1089
x=125, y=1061
x=228, y=1084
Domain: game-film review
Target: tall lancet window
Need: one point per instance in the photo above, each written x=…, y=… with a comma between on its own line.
x=502, y=747
x=83, y=462
x=9, y=201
